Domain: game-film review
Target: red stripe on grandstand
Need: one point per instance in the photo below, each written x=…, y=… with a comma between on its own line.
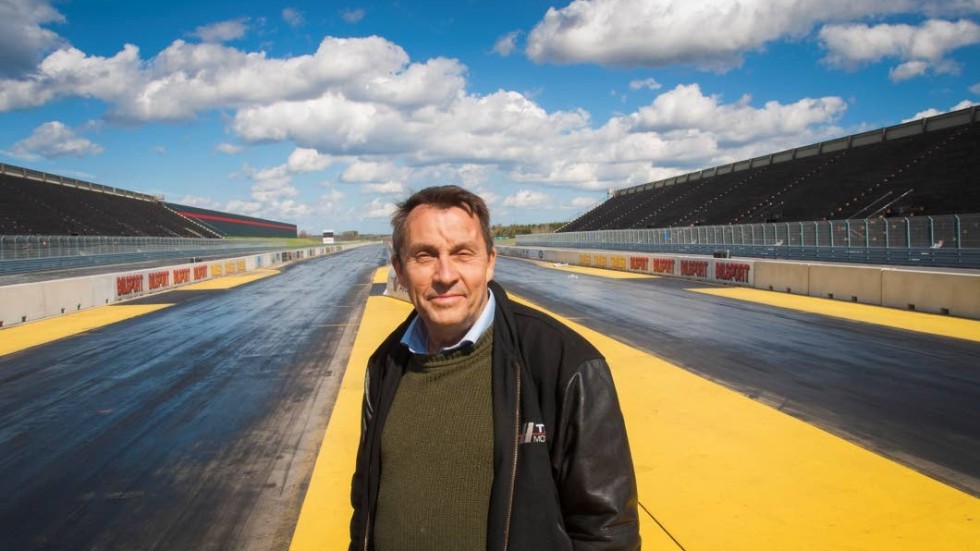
x=235, y=220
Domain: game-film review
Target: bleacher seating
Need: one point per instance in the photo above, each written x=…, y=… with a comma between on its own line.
x=29, y=207
x=933, y=173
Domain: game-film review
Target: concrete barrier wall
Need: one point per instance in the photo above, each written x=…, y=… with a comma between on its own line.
x=848, y=283
x=935, y=292
x=789, y=277
x=32, y=301
x=956, y=294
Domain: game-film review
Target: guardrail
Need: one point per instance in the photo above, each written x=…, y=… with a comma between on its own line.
x=942, y=241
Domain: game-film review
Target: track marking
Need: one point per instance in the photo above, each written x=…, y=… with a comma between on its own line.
x=230, y=281
x=599, y=272
x=35, y=333
x=380, y=275
x=921, y=322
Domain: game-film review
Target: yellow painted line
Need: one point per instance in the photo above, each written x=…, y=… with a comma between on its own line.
x=600, y=272
x=722, y=471
x=228, y=282
x=324, y=519
x=381, y=275
x=35, y=333
x=921, y=322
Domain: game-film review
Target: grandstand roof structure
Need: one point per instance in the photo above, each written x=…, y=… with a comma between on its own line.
x=926, y=167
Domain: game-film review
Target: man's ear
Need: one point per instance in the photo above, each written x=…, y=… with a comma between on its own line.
x=491, y=262
x=397, y=265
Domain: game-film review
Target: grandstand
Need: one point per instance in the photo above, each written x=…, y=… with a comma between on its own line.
x=236, y=225
x=36, y=203
x=926, y=167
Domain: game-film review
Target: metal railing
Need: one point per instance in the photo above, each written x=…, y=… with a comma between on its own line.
x=950, y=241
x=28, y=253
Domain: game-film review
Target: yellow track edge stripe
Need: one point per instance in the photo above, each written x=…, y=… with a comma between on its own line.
x=599, y=272
x=230, y=281
x=324, y=518
x=380, y=275
x=920, y=322
x=35, y=333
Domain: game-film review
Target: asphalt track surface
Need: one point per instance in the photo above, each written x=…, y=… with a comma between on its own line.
x=195, y=427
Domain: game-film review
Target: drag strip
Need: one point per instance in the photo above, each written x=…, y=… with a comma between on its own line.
x=909, y=396
x=194, y=427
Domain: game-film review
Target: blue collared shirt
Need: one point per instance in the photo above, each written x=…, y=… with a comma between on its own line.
x=416, y=337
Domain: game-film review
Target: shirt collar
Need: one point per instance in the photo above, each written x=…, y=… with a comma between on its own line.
x=416, y=337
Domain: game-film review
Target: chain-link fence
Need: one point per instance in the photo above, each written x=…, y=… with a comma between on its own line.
x=952, y=240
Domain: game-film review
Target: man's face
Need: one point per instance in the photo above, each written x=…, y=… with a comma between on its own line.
x=445, y=266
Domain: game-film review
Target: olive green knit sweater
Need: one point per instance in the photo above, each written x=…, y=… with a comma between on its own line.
x=437, y=454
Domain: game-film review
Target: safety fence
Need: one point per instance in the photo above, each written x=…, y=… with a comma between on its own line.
x=30, y=253
x=948, y=241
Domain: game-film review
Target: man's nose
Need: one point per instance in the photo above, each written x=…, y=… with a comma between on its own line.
x=446, y=270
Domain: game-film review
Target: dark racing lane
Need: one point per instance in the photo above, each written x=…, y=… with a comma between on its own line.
x=195, y=427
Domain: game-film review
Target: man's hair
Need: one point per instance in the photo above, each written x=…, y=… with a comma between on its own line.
x=441, y=197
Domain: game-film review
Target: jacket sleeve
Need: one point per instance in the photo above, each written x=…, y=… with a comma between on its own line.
x=595, y=479
x=359, y=497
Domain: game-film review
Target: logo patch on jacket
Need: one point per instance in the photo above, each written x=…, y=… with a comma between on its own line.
x=532, y=433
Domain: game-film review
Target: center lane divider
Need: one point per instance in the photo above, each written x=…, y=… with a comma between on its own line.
x=715, y=469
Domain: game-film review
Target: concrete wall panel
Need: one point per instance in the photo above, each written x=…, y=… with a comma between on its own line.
x=787, y=277
x=938, y=293
x=848, y=283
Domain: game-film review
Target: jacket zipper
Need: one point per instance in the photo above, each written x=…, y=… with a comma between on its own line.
x=513, y=473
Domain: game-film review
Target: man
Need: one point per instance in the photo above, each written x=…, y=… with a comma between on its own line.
x=485, y=424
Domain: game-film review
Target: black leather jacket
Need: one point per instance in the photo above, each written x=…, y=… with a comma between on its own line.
x=563, y=474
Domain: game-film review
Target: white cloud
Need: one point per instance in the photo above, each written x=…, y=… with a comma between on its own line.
x=54, y=139
x=222, y=31
x=932, y=112
x=308, y=160
x=352, y=16
x=186, y=78
x=292, y=16
x=687, y=108
x=386, y=188
x=975, y=88
x=506, y=44
x=22, y=38
x=920, y=49
x=379, y=209
x=583, y=202
x=648, y=83
x=907, y=70
x=395, y=122
x=228, y=148
x=159, y=150
x=198, y=201
x=369, y=172
x=528, y=199
x=710, y=34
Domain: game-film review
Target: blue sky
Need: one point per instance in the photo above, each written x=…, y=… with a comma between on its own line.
x=326, y=114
